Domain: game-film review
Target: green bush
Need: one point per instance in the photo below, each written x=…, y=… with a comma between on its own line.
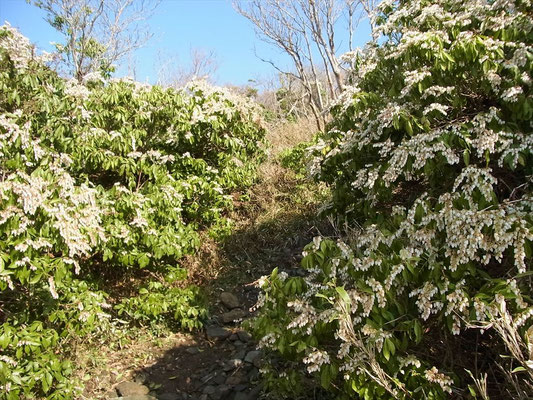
x=157, y=303
x=429, y=156
x=296, y=158
x=102, y=179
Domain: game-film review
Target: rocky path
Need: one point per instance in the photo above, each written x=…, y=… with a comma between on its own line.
x=221, y=362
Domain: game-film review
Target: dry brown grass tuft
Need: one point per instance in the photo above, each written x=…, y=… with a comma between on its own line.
x=285, y=134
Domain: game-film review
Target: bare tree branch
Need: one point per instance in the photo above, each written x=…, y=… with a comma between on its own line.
x=305, y=31
x=203, y=64
x=98, y=33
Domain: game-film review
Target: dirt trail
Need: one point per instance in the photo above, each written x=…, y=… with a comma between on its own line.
x=221, y=361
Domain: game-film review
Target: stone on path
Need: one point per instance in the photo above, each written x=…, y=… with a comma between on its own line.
x=229, y=300
x=252, y=395
x=232, y=364
x=241, y=387
x=241, y=396
x=217, y=332
x=244, y=336
x=240, y=354
x=140, y=378
x=193, y=350
x=221, y=392
x=233, y=315
x=131, y=388
x=209, y=389
x=252, y=356
x=219, y=379
x=168, y=396
x=135, y=397
x=234, y=380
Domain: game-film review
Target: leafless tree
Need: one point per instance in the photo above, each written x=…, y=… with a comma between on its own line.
x=306, y=31
x=172, y=71
x=98, y=33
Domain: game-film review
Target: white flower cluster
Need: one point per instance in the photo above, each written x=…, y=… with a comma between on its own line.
x=315, y=360
x=76, y=90
x=215, y=101
x=19, y=48
x=445, y=382
x=306, y=316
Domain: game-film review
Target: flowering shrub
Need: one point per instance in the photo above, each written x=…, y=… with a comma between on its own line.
x=108, y=175
x=430, y=161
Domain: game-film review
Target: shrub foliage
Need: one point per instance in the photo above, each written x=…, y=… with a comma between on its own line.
x=103, y=178
x=429, y=156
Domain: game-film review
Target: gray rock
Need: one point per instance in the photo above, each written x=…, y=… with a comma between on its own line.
x=135, y=397
x=233, y=315
x=240, y=396
x=193, y=350
x=209, y=389
x=247, y=367
x=240, y=354
x=140, y=378
x=229, y=300
x=217, y=332
x=241, y=387
x=254, y=393
x=234, y=337
x=131, y=388
x=253, y=374
x=221, y=392
x=207, y=378
x=252, y=356
x=232, y=364
x=169, y=396
x=251, y=395
x=204, y=397
x=220, y=378
x=234, y=380
x=244, y=336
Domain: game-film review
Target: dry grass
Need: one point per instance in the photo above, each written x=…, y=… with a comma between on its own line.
x=285, y=134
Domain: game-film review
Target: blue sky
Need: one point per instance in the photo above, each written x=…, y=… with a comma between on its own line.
x=178, y=26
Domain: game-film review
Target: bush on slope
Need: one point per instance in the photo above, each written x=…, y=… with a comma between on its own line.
x=100, y=179
x=429, y=159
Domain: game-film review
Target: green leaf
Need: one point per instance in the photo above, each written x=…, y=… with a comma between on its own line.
x=143, y=260
x=390, y=346
x=466, y=157
x=409, y=127
x=325, y=376
x=386, y=353
x=344, y=296
x=472, y=391
x=418, y=331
